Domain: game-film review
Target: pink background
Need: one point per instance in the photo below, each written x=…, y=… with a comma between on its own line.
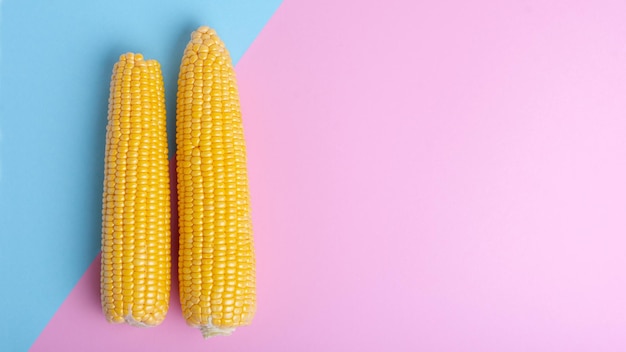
x=426, y=176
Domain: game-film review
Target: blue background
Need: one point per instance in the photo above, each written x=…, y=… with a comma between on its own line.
x=55, y=64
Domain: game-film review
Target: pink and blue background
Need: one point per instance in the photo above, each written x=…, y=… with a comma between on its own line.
x=426, y=175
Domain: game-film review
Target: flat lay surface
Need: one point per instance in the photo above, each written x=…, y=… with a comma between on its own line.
x=432, y=176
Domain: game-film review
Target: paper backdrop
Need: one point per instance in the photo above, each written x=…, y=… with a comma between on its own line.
x=425, y=175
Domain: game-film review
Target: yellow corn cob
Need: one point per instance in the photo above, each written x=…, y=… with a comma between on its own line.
x=135, y=276
x=216, y=265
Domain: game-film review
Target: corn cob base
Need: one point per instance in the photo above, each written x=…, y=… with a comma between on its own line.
x=209, y=330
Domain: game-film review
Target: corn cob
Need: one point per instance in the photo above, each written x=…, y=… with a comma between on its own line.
x=216, y=265
x=135, y=276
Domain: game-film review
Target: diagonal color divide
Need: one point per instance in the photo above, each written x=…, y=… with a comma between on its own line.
x=430, y=176
x=54, y=75
x=425, y=176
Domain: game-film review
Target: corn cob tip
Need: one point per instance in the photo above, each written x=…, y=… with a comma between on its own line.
x=203, y=29
x=210, y=331
x=131, y=57
x=203, y=32
x=138, y=60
